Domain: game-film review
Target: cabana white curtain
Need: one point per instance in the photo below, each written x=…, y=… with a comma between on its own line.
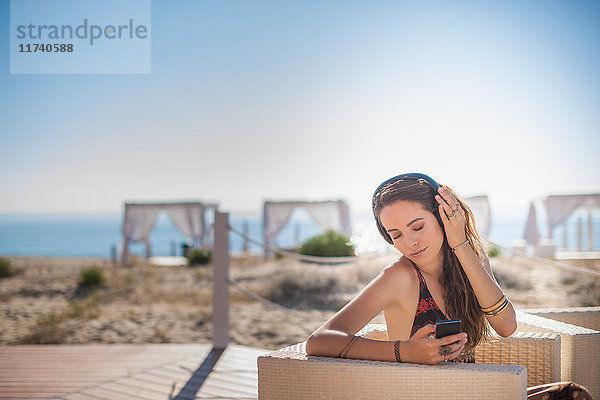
x=275, y=216
x=558, y=210
x=139, y=221
x=333, y=215
x=480, y=206
x=189, y=219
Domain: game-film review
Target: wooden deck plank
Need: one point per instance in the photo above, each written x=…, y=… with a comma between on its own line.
x=228, y=378
x=143, y=393
x=32, y=397
x=135, y=386
x=26, y=396
x=103, y=393
x=41, y=381
x=45, y=387
x=166, y=373
x=144, y=372
x=79, y=396
x=149, y=378
x=244, y=379
x=236, y=382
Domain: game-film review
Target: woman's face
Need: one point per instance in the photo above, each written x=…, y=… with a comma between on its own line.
x=415, y=232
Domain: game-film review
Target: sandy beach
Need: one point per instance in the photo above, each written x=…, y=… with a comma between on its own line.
x=148, y=304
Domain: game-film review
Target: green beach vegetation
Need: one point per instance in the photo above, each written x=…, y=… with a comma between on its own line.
x=493, y=251
x=328, y=244
x=6, y=268
x=199, y=257
x=91, y=277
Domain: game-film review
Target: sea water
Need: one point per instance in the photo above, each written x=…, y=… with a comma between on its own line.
x=95, y=235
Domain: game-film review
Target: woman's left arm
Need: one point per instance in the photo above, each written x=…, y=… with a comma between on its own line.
x=479, y=273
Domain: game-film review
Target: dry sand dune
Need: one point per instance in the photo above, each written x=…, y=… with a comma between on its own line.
x=141, y=303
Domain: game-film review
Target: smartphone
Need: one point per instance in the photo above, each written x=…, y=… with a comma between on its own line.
x=445, y=328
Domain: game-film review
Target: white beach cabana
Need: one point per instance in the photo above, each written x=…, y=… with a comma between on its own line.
x=331, y=214
x=558, y=209
x=480, y=206
x=139, y=219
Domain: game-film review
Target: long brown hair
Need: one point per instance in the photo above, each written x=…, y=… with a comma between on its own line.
x=461, y=302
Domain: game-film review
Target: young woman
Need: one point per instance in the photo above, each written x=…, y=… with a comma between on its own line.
x=443, y=273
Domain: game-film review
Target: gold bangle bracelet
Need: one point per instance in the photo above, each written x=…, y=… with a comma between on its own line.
x=495, y=310
x=498, y=304
x=503, y=307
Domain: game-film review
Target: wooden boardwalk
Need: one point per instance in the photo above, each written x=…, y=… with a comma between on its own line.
x=128, y=371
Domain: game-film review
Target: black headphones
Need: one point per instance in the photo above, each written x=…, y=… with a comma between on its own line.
x=410, y=175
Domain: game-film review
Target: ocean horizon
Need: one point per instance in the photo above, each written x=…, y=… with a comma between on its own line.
x=95, y=235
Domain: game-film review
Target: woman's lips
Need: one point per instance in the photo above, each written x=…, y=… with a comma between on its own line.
x=418, y=253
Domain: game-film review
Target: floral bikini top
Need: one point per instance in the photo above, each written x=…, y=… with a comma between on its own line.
x=428, y=312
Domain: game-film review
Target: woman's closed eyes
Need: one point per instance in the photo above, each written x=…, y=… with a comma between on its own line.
x=415, y=229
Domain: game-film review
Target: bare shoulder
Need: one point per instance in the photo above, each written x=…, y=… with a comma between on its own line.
x=400, y=274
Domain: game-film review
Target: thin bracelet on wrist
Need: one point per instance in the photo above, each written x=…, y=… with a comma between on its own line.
x=397, y=351
x=346, y=349
x=458, y=245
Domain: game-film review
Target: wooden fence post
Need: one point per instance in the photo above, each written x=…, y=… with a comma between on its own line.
x=579, y=234
x=220, y=331
x=590, y=232
x=245, y=248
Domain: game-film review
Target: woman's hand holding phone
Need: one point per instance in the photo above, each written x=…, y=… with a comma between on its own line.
x=448, y=327
x=424, y=348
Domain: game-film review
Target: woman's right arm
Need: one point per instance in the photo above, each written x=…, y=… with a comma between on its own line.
x=331, y=338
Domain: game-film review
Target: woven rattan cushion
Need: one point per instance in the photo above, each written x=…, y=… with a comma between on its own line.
x=579, y=349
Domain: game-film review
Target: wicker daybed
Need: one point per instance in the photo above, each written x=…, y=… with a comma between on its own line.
x=541, y=351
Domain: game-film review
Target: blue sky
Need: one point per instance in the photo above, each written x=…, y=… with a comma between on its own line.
x=254, y=100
